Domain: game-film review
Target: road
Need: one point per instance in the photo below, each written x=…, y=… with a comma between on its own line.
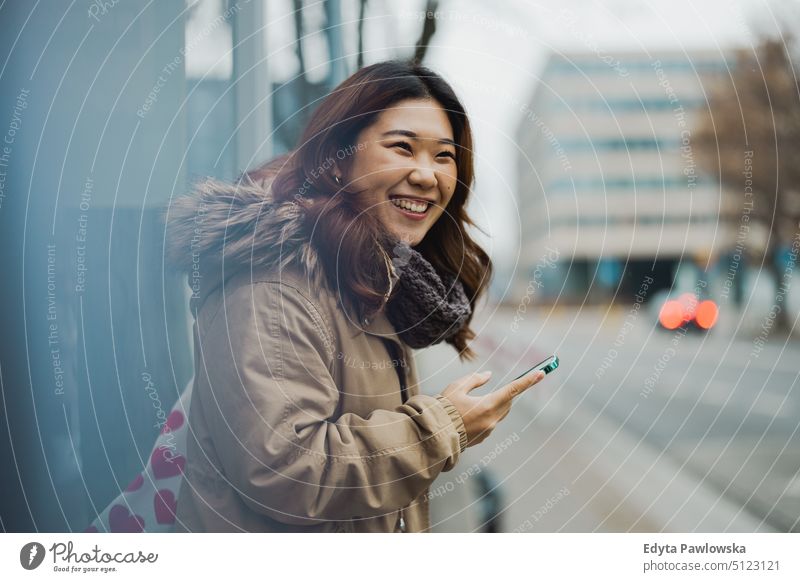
x=640, y=429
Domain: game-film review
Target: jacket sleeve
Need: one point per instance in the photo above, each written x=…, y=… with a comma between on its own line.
x=271, y=407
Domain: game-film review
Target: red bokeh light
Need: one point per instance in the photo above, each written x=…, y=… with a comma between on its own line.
x=671, y=315
x=706, y=315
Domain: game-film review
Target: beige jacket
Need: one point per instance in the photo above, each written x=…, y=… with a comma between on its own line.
x=301, y=419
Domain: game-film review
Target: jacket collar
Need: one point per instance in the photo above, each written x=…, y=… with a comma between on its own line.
x=379, y=326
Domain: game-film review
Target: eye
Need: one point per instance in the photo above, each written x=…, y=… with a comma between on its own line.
x=449, y=154
x=403, y=145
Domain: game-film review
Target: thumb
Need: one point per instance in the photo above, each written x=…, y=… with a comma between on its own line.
x=517, y=387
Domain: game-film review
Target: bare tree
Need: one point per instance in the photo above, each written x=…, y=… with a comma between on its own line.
x=428, y=30
x=362, y=9
x=299, y=31
x=755, y=114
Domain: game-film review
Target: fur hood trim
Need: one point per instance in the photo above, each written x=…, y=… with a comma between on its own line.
x=223, y=227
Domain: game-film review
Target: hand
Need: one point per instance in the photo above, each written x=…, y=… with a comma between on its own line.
x=482, y=413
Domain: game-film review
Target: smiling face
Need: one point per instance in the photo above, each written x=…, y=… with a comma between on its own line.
x=406, y=167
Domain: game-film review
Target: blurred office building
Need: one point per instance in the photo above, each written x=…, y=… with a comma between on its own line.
x=608, y=177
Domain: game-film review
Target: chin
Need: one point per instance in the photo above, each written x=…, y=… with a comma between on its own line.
x=412, y=239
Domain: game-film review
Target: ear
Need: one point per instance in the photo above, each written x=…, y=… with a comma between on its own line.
x=337, y=171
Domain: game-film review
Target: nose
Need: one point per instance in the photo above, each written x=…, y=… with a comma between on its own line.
x=423, y=176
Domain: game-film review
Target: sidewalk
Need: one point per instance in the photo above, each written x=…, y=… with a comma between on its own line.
x=554, y=475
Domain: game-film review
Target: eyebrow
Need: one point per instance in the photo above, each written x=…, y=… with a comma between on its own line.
x=413, y=135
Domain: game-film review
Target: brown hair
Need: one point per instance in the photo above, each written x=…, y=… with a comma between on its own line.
x=339, y=227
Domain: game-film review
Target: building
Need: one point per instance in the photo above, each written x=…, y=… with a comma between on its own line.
x=608, y=179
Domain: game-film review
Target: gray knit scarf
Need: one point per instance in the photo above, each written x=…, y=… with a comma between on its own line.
x=427, y=306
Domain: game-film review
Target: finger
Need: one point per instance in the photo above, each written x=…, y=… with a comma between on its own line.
x=475, y=380
x=517, y=387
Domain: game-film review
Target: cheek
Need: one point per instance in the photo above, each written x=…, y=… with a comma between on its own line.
x=449, y=190
x=376, y=166
x=441, y=214
x=443, y=208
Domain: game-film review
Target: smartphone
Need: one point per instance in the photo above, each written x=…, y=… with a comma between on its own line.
x=546, y=366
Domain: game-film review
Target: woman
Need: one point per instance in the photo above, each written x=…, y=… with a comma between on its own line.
x=312, y=278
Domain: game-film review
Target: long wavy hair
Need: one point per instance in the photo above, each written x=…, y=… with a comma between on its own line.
x=342, y=230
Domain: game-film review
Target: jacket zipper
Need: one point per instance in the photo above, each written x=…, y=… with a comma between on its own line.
x=401, y=373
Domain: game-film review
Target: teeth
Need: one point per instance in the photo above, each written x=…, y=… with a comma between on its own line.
x=408, y=205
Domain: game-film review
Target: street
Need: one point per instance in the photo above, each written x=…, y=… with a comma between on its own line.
x=640, y=429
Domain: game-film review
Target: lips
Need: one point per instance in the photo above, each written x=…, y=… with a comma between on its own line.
x=410, y=204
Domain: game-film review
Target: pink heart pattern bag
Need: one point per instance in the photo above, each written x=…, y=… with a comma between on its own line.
x=148, y=503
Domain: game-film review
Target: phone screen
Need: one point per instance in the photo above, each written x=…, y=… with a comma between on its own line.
x=547, y=365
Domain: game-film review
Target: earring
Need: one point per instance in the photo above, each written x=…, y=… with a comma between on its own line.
x=337, y=179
